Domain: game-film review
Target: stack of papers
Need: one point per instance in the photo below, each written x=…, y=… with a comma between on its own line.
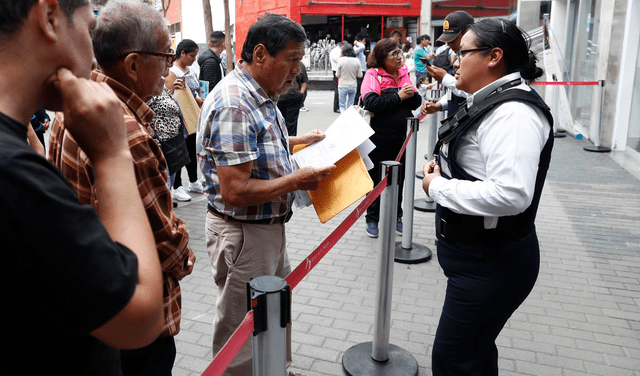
x=347, y=146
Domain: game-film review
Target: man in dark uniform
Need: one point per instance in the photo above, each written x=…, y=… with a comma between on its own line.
x=454, y=27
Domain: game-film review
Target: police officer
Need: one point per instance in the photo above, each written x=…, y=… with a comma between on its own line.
x=454, y=27
x=493, y=160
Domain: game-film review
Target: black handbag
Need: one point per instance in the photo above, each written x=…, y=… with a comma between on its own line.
x=175, y=152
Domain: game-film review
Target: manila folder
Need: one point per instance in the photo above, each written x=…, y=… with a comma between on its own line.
x=189, y=108
x=349, y=182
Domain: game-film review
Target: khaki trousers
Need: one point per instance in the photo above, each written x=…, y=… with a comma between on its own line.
x=239, y=252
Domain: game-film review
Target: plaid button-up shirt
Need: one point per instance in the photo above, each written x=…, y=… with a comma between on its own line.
x=239, y=123
x=170, y=232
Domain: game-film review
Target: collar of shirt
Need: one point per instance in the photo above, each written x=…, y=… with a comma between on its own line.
x=136, y=105
x=481, y=94
x=261, y=97
x=255, y=89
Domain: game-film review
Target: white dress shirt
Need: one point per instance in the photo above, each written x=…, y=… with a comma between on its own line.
x=503, y=151
x=334, y=55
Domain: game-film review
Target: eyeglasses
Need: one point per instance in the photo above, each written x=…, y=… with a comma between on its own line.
x=460, y=54
x=395, y=53
x=170, y=56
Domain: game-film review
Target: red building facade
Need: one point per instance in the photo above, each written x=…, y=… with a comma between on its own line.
x=476, y=8
x=336, y=19
x=344, y=19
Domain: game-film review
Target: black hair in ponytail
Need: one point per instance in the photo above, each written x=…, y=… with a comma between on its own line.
x=514, y=42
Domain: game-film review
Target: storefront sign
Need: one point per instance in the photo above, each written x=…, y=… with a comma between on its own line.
x=394, y=22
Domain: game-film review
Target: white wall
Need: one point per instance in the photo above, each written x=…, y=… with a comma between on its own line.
x=193, y=19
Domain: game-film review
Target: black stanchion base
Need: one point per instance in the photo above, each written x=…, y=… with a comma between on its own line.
x=357, y=361
x=597, y=149
x=417, y=254
x=424, y=206
x=559, y=134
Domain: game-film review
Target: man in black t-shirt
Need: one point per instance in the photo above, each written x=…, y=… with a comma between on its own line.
x=290, y=102
x=77, y=283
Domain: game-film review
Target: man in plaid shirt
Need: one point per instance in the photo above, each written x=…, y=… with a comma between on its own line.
x=135, y=71
x=244, y=153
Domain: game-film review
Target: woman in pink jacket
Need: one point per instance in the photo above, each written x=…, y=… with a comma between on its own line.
x=388, y=93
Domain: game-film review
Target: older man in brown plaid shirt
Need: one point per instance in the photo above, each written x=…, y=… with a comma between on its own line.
x=135, y=73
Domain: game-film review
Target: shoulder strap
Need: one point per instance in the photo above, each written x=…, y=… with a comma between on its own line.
x=459, y=122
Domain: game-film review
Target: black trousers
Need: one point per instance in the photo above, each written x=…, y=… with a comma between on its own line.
x=387, y=149
x=358, y=85
x=290, y=109
x=154, y=360
x=485, y=285
x=192, y=166
x=336, y=104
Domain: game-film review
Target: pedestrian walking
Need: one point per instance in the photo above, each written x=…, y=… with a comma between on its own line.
x=348, y=72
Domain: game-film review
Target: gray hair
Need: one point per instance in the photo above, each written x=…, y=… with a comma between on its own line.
x=123, y=26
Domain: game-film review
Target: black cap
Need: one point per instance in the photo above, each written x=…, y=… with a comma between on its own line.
x=453, y=24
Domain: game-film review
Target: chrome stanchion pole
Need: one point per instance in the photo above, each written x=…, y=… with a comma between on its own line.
x=408, y=252
x=427, y=204
x=379, y=357
x=558, y=133
x=596, y=139
x=270, y=299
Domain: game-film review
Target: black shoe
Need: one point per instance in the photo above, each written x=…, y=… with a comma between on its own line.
x=175, y=204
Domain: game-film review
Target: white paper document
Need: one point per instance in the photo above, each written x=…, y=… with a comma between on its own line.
x=349, y=131
x=346, y=133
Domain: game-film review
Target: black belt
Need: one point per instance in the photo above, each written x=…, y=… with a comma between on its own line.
x=453, y=231
x=265, y=221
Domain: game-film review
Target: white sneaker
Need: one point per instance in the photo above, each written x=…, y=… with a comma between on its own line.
x=196, y=187
x=180, y=194
x=304, y=109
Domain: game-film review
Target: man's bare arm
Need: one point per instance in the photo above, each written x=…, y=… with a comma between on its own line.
x=239, y=189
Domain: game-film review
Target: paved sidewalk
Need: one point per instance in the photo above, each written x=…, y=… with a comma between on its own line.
x=582, y=317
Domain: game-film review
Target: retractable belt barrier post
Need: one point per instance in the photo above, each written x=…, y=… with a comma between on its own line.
x=596, y=139
x=427, y=204
x=379, y=357
x=270, y=299
x=557, y=133
x=600, y=95
x=408, y=252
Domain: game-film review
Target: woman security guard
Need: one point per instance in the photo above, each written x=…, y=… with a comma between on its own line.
x=493, y=158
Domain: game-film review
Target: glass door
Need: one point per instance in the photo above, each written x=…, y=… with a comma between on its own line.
x=583, y=59
x=633, y=135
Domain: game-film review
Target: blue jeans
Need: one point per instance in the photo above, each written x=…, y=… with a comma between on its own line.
x=347, y=95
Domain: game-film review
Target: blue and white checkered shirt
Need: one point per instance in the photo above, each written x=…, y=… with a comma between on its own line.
x=239, y=123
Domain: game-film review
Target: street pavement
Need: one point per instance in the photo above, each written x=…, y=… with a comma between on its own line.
x=582, y=317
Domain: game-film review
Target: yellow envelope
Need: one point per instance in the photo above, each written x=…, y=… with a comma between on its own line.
x=349, y=182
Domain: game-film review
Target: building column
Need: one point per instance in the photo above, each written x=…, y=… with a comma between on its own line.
x=425, y=19
x=611, y=34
